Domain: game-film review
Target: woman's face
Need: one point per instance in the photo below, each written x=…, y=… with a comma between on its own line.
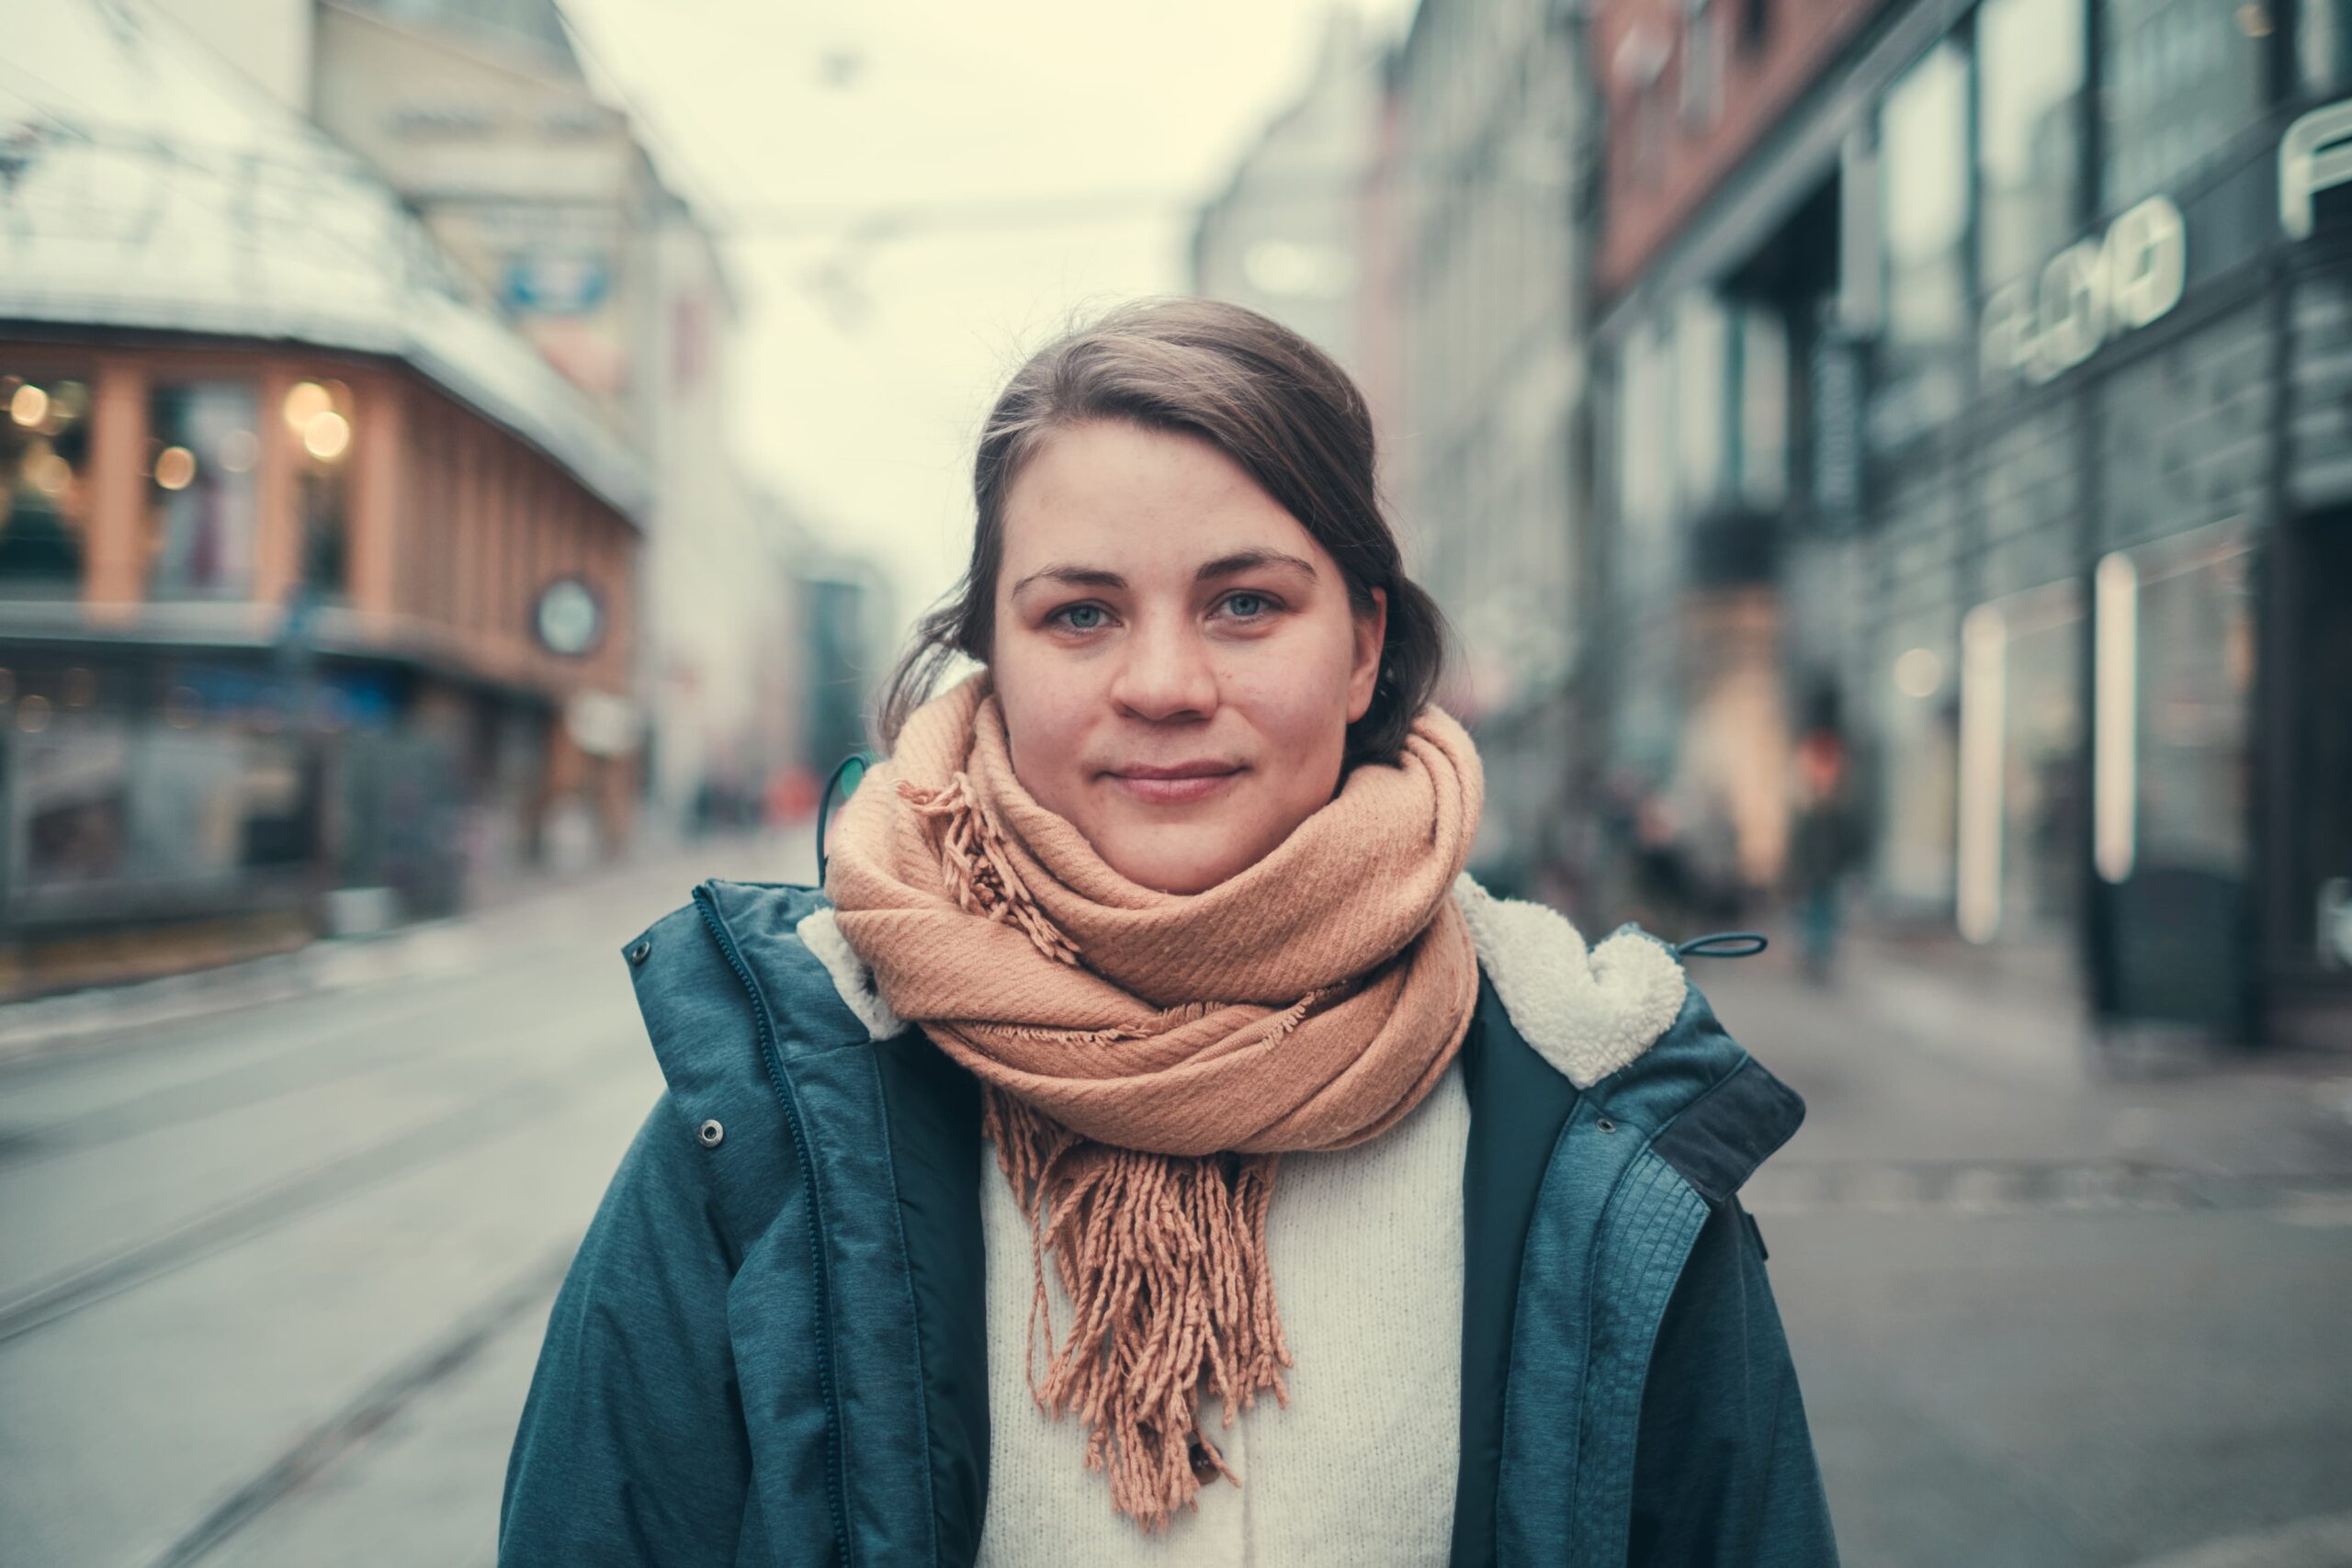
x=1175, y=656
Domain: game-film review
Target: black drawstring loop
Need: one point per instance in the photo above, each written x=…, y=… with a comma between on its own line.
x=1748, y=944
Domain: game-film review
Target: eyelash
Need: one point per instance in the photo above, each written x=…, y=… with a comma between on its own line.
x=1267, y=600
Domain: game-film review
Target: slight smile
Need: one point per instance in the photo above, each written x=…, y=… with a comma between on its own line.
x=1171, y=786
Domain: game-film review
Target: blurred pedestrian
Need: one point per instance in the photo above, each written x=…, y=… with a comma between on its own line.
x=1822, y=846
x=1145, y=961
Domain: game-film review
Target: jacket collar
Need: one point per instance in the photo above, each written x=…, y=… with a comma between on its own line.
x=1587, y=1011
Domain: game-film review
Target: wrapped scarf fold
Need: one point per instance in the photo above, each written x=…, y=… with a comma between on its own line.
x=1145, y=1057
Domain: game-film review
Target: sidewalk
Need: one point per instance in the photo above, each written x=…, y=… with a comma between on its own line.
x=633, y=891
x=1968, y=1082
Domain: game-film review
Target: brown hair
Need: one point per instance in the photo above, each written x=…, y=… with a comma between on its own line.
x=1265, y=397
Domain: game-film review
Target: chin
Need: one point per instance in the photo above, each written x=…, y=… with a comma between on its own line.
x=1170, y=860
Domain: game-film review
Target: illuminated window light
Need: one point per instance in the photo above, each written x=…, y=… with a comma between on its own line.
x=1983, y=697
x=2115, y=739
x=1919, y=673
x=327, y=435
x=305, y=400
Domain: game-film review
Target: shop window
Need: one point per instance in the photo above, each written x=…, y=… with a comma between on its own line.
x=2030, y=84
x=2171, y=773
x=1645, y=456
x=2323, y=46
x=44, y=481
x=73, y=784
x=1702, y=398
x=2183, y=78
x=203, y=449
x=1918, y=774
x=1924, y=211
x=2022, y=804
x=320, y=418
x=113, y=807
x=1760, y=421
x=2176, y=680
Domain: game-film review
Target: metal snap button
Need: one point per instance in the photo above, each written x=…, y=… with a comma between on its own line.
x=1605, y=1124
x=710, y=1133
x=641, y=952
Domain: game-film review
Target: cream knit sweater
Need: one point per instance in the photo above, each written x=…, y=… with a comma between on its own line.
x=1366, y=1246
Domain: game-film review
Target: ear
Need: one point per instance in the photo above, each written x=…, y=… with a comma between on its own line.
x=1371, y=642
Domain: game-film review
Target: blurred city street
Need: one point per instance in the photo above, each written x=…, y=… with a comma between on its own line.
x=271, y=1280
x=468, y=469
x=275, y=1276
x=2049, y=1310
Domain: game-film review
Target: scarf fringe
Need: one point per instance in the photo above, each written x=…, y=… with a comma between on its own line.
x=1172, y=1296
x=979, y=873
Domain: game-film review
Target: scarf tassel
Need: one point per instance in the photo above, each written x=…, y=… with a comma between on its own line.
x=979, y=870
x=1172, y=1291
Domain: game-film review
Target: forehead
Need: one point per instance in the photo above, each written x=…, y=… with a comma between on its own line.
x=1109, y=489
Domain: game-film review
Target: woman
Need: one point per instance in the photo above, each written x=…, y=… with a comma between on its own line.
x=1149, y=1146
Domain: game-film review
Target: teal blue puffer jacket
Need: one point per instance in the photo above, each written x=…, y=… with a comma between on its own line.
x=767, y=1351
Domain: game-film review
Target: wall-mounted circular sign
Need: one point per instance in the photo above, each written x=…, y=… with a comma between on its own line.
x=569, y=618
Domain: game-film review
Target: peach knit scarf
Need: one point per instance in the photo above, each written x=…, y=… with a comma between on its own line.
x=1145, y=1057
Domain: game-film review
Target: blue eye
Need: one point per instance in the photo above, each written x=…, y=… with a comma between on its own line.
x=1069, y=616
x=1248, y=606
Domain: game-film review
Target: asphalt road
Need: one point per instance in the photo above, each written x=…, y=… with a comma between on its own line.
x=271, y=1280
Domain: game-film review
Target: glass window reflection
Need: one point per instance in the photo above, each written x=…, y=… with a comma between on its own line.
x=2031, y=68
x=2183, y=78
x=203, y=454
x=44, y=481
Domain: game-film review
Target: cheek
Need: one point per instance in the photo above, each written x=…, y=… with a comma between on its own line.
x=1299, y=702
x=1048, y=704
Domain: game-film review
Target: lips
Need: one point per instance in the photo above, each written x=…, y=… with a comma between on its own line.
x=1176, y=784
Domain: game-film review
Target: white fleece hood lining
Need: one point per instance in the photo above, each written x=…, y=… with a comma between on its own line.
x=1588, y=1011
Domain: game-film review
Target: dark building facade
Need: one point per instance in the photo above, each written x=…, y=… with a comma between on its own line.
x=1980, y=372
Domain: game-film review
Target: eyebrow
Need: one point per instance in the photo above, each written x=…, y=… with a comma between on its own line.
x=1072, y=576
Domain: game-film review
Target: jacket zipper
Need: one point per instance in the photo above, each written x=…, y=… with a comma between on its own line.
x=834, y=1484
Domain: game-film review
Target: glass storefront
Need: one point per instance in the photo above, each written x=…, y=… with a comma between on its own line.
x=2183, y=78
x=321, y=417
x=1918, y=765
x=2196, y=701
x=2029, y=80
x=2172, y=817
x=44, y=481
x=2021, y=779
x=1924, y=204
x=203, y=452
x=1701, y=403
x=2323, y=46
x=110, y=806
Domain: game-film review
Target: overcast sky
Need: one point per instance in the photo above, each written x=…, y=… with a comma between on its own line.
x=864, y=369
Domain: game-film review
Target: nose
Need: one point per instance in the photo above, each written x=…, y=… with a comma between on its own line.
x=1164, y=674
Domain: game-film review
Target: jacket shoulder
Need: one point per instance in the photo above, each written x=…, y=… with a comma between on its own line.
x=1624, y=1022
x=743, y=971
